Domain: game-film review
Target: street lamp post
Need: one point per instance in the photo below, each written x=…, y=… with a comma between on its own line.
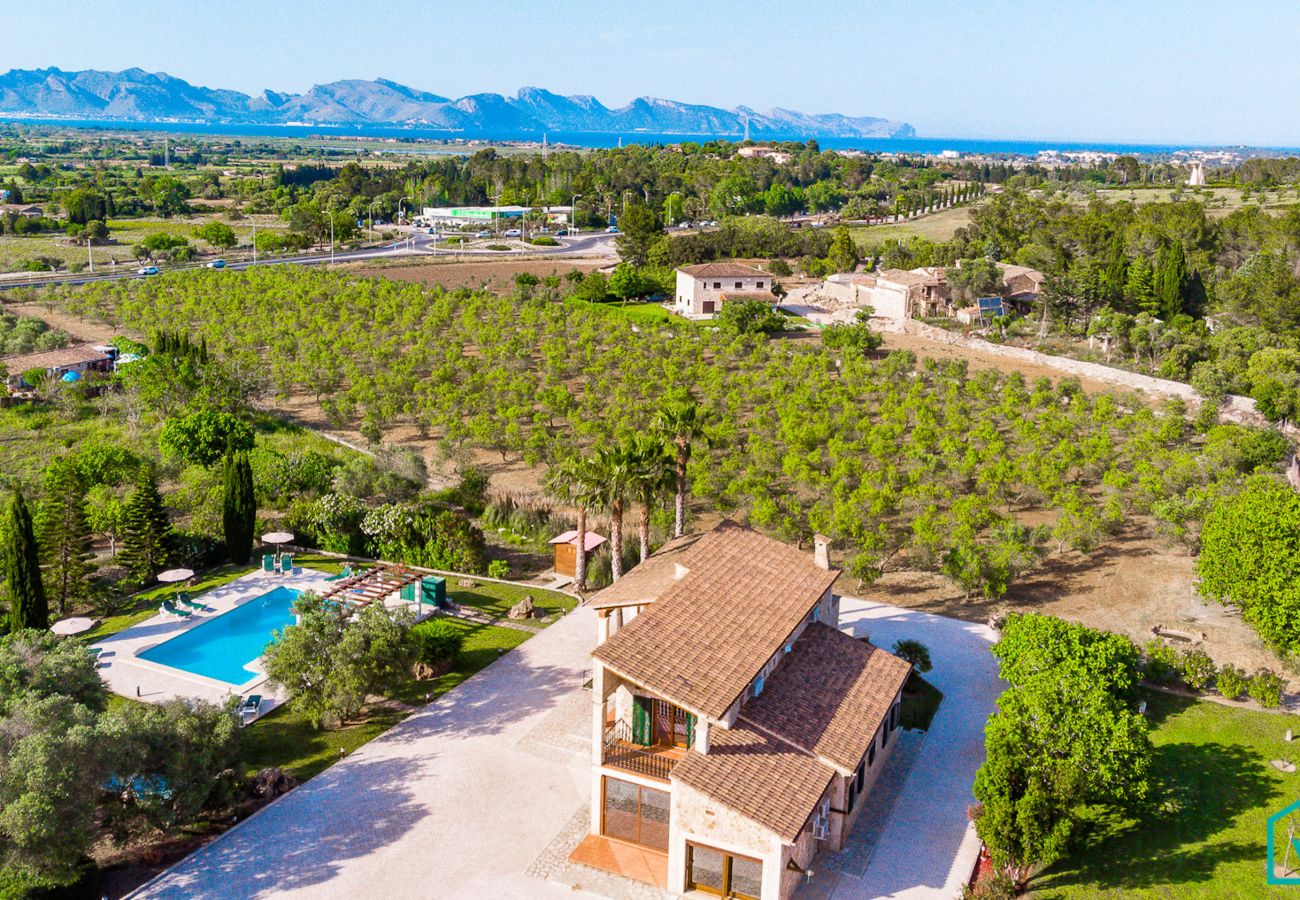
x=401, y=205
x=331, y=215
x=90, y=257
x=372, y=218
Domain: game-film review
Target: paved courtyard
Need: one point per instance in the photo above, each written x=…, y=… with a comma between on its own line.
x=457, y=801
x=926, y=847
x=482, y=793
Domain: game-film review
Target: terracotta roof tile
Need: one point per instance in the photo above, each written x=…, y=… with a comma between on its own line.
x=50, y=359
x=829, y=695
x=764, y=779
x=723, y=270
x=645, y=582
x=709, y=633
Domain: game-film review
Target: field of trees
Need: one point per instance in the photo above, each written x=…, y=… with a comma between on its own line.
x=975, y=476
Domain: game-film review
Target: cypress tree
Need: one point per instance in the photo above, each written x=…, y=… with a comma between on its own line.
x=21, y=565
x=65, y=536
x=238, y=505
x=1171, y=281
x=146, y=532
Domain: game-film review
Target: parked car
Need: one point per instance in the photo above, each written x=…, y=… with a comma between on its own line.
x=514, y=232
x=613, y=229
x=563, y=232
x=482, y=234
x=147, y=270
x=217, y=264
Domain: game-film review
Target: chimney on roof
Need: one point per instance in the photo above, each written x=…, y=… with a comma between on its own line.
x=679, y=571
x=822, y=551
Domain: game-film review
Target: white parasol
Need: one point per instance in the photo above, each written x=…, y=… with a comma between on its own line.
x=75, y=625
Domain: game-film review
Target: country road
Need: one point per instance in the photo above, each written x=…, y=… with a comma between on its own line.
x=416, y=244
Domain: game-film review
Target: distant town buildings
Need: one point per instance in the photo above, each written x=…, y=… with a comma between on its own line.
x=469, y=215
x=780, y=157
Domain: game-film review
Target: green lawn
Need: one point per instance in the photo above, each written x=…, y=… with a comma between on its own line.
x=285, y=738
x=938, y=226
x=637, y=312
x=496, y=599
x=1202, y=834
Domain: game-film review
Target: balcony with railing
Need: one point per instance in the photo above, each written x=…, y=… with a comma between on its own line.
x=622, y=752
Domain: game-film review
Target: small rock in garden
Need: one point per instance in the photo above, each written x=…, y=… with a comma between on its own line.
x=524, y=609
x=467, y=583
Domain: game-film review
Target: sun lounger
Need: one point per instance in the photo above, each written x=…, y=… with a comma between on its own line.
x=268, y=563
x=286, y=563
x=169, y=609
x=346, y=573
x=250, y=706
x=183, y=601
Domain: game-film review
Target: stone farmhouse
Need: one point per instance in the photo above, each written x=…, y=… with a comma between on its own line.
x=737, y=731
x=923, y=292
x=702, y=289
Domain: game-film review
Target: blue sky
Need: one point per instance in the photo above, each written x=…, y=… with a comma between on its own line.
x=1143, y=70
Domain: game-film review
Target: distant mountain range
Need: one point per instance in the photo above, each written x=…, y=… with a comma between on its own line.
x=138, y=96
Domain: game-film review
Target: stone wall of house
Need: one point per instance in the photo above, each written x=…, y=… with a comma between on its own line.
x=1234, y=409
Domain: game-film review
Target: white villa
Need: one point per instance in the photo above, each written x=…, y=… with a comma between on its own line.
x=737, y=731
x=701, y=290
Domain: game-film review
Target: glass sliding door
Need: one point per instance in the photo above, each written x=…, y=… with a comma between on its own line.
x=636, y=814
x=724, y=874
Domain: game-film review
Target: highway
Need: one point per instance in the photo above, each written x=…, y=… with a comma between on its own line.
x=416, y=244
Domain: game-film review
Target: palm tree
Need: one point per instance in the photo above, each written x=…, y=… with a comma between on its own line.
x=613, y=468
x=652, y=477
x=573, y=480
x=681, y=422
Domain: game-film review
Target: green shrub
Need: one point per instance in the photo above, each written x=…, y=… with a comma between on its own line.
x=498, y=568
x=1196, y=668
x=1231, y=682
x=780, y=268
x=1265, y=688
x=544, y=240
x=437, y=642
x=1160, y=662
x=497, y=247
x=1032, y=644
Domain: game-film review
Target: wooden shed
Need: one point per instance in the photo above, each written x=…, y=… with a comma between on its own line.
x=566, y=551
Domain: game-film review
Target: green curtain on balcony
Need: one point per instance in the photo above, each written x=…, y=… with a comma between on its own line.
x=642, y=716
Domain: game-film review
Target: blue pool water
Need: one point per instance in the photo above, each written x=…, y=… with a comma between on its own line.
x=223, y=646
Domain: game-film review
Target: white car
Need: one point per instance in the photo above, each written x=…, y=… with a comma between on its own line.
x=514, y=232
x=147, y=270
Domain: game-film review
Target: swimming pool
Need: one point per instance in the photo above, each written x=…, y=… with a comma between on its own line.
x=224, y=646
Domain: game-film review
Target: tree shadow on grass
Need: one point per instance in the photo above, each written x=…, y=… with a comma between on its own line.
x=1198, y=792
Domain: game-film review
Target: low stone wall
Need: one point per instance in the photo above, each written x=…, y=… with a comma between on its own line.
x=1234, y=409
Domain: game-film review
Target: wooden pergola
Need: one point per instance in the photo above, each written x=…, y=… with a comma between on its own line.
x=374, y=584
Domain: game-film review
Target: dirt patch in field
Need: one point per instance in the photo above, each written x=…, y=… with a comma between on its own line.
x=81, y=330
x=493, y=274
x=977, y=360
x=1129, y=586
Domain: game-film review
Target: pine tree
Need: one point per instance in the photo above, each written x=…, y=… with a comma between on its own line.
x=147, y=532
x=1139, y=290
x=238, y=505
x=65, y=536
x=21, y=566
